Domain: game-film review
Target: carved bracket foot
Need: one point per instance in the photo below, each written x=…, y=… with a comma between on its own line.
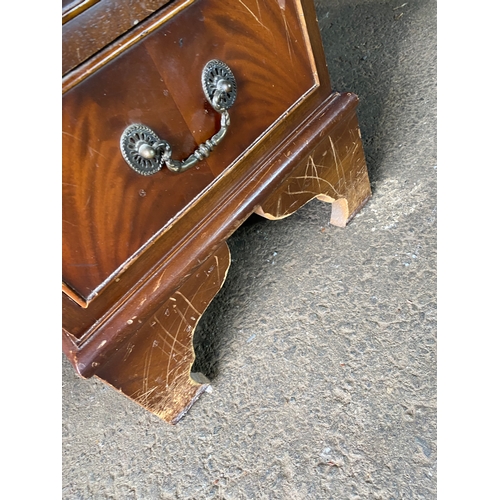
x=153, y=366
x=334, y=172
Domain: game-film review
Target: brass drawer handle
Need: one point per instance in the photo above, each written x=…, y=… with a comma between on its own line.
x=146, y=153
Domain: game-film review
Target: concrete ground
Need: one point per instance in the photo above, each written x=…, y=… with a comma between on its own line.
x=321, y=346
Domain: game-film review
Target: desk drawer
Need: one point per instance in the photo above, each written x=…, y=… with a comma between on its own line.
x=111, y=214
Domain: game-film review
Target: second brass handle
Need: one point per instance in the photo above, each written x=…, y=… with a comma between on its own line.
x=146, y=153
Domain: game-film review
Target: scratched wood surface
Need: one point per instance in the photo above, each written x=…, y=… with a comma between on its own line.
x=176, y=255
x=335, y=172
x=96, y=23
x=122, y=342
x=109, y=211
x=153, y=366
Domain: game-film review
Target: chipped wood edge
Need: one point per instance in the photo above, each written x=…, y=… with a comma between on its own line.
x=334, y=172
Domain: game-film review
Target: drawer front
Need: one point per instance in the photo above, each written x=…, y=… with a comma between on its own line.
x=90, y=25
x=111, y=213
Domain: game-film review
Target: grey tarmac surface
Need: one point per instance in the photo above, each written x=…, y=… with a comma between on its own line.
x=321, y=346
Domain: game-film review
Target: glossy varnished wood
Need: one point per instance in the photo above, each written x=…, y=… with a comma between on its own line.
x=72, y=8
x=81, y=324
x=111, y=212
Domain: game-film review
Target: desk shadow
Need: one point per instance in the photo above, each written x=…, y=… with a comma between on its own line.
x=217, y=325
